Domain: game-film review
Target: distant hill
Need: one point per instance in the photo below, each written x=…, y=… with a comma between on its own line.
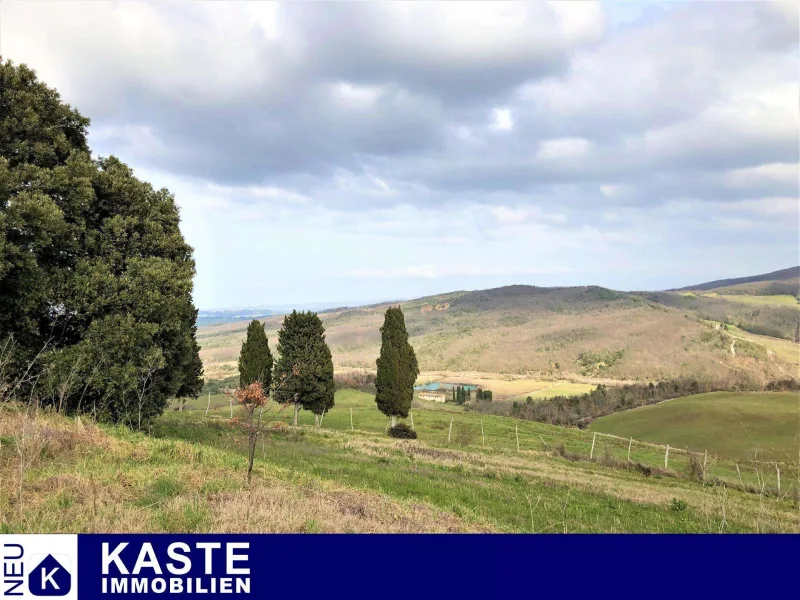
x=784, y=275
x=212, y=317
x=561, y=332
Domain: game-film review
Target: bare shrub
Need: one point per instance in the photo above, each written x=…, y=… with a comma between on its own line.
x=466, y=434
x=694, y=469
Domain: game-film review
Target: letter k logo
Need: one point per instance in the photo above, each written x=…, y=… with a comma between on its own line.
x=49, y=578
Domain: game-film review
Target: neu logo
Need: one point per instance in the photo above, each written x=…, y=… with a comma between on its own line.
x=49, y=578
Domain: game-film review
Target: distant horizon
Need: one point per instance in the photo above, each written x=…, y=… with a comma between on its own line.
x=327, y=305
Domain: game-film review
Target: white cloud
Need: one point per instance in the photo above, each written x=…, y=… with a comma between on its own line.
x=501, y=119
x=785, y=173
x=458, y=144
x=563, y=148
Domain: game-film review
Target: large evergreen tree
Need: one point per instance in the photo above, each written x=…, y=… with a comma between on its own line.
x=95, y=276
x=397, y=368
x=304, y=370
x=255, y=359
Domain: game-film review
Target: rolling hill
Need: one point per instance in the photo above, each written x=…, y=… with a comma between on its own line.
x=587, y=334
x=785, y=281
x=764, y=426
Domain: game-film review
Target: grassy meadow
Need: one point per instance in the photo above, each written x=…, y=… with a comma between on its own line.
x=189, y=475
x=777, y=300
x=480, y=432
x=733, y=425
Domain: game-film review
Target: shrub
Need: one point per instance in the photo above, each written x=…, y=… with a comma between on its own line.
x=695, y=468
x=356, y=380
x=677, y=505
x=403, y=432
x=465, y=434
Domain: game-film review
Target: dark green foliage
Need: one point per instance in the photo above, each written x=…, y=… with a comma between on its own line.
x=596, y=363
x=581, y=410
x=95, y=276
x=397, y=367
x=677, y=505
x=402, y=431
x=304, y=371
x=482, y=395
x=784, y=385
x=255, y=359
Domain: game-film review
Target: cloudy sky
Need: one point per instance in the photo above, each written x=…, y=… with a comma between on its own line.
x=352, y=152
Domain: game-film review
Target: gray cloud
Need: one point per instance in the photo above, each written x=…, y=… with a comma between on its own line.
x=529, y=126
x=293, y=95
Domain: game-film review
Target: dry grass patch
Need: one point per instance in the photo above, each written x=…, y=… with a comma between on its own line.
x=275, y=507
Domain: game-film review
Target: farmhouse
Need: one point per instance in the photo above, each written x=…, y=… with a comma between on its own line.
x=433, y=396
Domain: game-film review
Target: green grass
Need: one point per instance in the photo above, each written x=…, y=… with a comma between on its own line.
x=475, y=431
x=728, y=424
x=781, y=300
x=189, y=475
x=510, y=499
x=564, y=388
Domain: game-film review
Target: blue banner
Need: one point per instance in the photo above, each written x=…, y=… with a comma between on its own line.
x=393, y=566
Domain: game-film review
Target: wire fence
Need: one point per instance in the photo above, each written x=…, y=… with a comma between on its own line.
x=468, y=430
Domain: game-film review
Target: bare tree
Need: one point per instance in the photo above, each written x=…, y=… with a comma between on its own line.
x=145, y=384
x=253, y=398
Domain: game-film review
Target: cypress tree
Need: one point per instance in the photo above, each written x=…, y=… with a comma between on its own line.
x=454, y=395
x=304, y=372
x=397, y=368
x=255, y=359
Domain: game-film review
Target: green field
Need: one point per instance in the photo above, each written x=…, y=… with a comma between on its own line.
x=189, y=475
x=737, y=426
x=564, y=388
x=471, y=430
x=779, y=300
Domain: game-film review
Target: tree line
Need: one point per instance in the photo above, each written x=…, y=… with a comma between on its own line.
x=302, y=376
x=462, y=394
x=580, y=410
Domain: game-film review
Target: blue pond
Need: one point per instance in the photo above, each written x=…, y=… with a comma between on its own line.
x=438, y=385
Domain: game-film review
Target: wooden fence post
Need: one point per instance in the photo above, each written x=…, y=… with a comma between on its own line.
x=546, y=447
x=630, y=441
x=483, y=435
x=450, y=431
x=516, y=430
x=738, y=472
x=778, y=471
x=209, y=402
x=666, y=458
x=351, y=418
x=230, y=399
x=591, y=452
x=411, y=414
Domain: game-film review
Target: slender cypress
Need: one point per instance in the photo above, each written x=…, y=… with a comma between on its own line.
x=255, y=359
x=397, y=368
